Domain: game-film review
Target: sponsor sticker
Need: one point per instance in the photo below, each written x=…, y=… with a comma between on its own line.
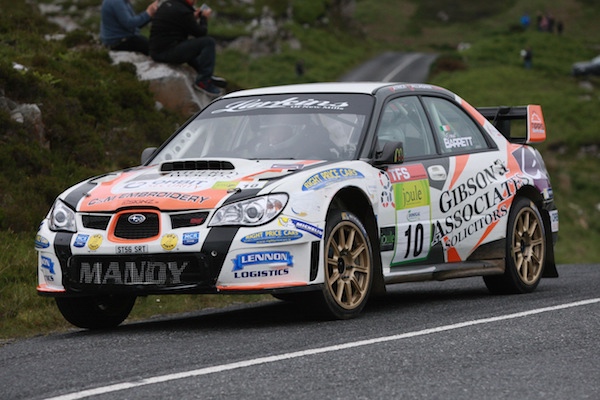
x=387, y=238
x=168, y=241
x=41, y=242
x=95, y=242
x=291, y=103
x=48, y=264
x=554, y=220
x=190, y=238
x=272, y=236
x=330, y=176
x=274, y=258
x=301, y=225
x=81, y=240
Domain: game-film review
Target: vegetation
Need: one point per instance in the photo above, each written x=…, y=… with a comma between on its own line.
x=98, y=117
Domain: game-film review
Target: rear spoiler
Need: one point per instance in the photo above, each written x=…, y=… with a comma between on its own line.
x=501, y=117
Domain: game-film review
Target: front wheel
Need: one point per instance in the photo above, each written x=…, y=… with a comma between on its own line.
x=348, y=266
x=525, y=251
x=98, y=312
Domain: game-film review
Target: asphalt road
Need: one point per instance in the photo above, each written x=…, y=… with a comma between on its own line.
x=434, y=340
x=393, y=67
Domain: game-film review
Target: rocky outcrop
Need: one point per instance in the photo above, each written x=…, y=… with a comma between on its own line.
x=172, y=85
x=29, y=115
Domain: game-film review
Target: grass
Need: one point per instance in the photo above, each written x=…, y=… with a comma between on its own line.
x=74, y=77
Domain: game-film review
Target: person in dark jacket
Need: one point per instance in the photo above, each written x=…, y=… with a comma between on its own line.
x=120, y=26
x=179, y=34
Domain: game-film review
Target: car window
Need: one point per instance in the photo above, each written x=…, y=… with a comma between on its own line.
x=455, y=131
x=403, y=119
x=301, y=127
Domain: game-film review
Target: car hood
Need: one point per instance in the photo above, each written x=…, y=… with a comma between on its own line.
x=180, y=185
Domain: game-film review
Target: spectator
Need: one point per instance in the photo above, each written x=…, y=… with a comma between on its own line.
x=175, y=21
x=120, y=26
x=527, y=55
x=525, y=21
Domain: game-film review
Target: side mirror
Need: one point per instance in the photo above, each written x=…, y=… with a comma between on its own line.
x=147, y=153
x=392, y=153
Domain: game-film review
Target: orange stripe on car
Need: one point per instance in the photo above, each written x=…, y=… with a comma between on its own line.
x=260, y=286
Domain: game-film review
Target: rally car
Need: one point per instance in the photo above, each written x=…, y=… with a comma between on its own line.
x=323, y=193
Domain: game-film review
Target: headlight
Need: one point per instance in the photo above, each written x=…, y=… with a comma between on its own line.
x=253, y=212
x=62, y=218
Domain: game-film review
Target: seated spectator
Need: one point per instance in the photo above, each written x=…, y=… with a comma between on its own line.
x=120, y=26
x=173, y=24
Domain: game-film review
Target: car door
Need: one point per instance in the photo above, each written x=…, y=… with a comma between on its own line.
x=407, y=218
x=467, y=180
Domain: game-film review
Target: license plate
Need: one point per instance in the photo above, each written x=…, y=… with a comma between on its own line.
x=137, y=249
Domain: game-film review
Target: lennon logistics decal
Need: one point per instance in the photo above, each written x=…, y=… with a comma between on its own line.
x=413, y=212
x=273, y=263
x=330, y=176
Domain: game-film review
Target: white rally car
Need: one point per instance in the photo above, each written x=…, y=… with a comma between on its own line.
x=319, y=192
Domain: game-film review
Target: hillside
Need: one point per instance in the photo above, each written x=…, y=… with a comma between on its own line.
x=97, y=117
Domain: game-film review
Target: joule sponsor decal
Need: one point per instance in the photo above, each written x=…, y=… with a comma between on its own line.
x=330, y=176
x=413, y=213
x=278, y=263
x=272, y=236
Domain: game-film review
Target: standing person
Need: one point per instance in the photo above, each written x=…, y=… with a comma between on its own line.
x=527, y=55
x=173, y=24
x=120, y=26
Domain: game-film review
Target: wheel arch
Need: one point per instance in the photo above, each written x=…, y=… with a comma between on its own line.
x=355, y=200
x=535, y=196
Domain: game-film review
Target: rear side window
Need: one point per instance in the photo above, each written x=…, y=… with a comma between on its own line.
x=455, y=132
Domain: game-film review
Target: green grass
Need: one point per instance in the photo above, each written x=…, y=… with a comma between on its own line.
x=98, y=117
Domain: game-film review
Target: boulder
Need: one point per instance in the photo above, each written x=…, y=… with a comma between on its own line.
x=172, y=85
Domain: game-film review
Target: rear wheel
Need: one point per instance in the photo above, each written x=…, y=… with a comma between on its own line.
x=348, y=266
x=525, y=251
x=98, y=312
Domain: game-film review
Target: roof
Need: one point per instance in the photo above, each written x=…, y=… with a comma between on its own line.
x=325, y=87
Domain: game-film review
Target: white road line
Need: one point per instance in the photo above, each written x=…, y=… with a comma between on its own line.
x=407, y=61
x=304, y=353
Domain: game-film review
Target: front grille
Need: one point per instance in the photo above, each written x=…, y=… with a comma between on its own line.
x=95, y=221
x=188, y=219
x=126, y=229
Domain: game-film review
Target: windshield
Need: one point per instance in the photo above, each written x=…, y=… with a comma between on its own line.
x=318, y=126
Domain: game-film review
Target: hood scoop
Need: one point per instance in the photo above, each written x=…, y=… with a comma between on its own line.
x=196, y=165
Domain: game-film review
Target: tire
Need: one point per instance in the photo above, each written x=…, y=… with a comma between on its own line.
x=525, y=251
x=99, y=312
x=348, y=267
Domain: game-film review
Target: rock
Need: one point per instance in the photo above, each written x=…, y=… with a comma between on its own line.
x=170, y=84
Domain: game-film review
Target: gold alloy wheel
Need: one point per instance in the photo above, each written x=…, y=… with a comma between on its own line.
x=348, y=269
x=528, y=245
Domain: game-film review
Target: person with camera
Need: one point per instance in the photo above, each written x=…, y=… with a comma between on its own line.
x=120, y=25
x=179, y=34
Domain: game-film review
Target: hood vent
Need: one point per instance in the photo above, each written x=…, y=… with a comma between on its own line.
x=196, y=165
